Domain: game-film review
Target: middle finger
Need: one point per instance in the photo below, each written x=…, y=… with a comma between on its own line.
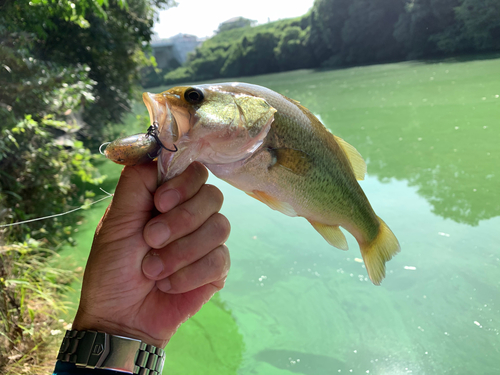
x=183, y=219
x=188, y=249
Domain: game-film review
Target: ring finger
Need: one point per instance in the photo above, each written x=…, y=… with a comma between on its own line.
x=161, y=263
x=183, y=219
x=212, y=268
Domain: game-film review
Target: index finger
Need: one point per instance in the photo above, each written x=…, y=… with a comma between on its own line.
x=180, y=188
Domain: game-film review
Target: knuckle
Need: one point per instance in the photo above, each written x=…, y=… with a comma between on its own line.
x=200, y=169
x=220, y=226
x=197, y=174
x=185, y=217
x=214, y=193
x=173, y=258
x=219, y=261
x=227, y=260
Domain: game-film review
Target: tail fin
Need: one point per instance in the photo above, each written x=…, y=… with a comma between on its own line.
x=379, y=251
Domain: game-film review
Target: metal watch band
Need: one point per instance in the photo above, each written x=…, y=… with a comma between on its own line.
x=100, y=350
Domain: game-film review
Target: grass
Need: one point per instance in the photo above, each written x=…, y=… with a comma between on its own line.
x=35, y=280
x=29, y=305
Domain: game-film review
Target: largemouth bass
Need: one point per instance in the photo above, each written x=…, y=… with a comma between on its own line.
x=276, y=151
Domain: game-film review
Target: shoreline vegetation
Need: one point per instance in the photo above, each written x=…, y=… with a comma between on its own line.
x=343, y=33
x=69, y=73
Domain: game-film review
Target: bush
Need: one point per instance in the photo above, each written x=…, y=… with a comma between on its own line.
x=67, y=69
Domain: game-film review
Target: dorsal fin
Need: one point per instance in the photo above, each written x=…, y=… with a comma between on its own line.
x=292, y=100
x=357, y=163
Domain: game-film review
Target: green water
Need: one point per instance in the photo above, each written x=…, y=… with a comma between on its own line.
x=430, y=133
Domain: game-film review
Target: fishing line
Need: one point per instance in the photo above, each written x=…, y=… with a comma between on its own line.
x=109, y=195
x=100, y=148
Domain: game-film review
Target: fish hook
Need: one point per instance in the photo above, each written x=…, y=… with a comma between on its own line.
x=153, y=132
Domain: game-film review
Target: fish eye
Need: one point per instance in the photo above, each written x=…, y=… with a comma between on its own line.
x=194, y=95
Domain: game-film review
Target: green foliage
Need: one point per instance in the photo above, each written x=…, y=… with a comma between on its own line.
x=348, y=32
x=419, y=24
x=247, y=51
x=105, y=36
x=327, y=18
x=67, y=69
x=29, y=303
x=481, y=21
x=112, y=47
x=292, y=51
x=253, y=55
x=476, y=28
x=366, y=19
x=41, y=166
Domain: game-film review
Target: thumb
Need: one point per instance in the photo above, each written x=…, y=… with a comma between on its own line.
x=134, y=194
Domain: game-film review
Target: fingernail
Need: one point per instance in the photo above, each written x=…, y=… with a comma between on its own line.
x=164, y=285
x=157, y=234
x=168, y=200
x=152, y=265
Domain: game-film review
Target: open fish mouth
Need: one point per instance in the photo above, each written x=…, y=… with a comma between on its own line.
x=161, y=115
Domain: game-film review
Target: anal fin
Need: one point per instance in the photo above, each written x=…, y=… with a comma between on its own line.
x=332, y=234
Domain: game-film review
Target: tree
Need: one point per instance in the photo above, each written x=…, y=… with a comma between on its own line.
x=475, y=27
x=112, y=47
x=481, y=20
x=367, y=34
x=430, y=27
x=327, y=19
x=59, y=61
x=292, y=51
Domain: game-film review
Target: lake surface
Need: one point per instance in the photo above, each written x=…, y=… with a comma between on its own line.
x=430, y=134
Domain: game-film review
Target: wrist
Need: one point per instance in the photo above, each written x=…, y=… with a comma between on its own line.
x=87, y=322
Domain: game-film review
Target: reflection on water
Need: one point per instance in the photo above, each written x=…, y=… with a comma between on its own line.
x=293, y=304
x=430, y=134
x=434, y=125
x=209, y=343
x=299, y=362
x=291, y=292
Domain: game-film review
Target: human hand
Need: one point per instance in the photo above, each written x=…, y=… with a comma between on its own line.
x=146, y=275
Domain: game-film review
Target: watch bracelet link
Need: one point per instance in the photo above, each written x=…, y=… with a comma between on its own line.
x=100, y=350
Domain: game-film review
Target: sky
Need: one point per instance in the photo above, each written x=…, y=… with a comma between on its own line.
x=202, y=17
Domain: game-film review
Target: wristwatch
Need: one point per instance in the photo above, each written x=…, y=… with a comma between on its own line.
x=99, y=350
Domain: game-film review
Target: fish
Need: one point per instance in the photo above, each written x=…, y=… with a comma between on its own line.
x=275, y=150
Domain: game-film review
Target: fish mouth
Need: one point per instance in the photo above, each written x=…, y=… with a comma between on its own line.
x=160, y=113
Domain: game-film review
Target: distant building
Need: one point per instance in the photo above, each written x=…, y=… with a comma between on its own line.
x=235, y=23
x=172, y=52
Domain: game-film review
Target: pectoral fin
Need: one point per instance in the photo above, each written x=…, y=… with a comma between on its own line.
x=357, y=163
x=272, y=202
x=332, y=234
x=296, y=161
